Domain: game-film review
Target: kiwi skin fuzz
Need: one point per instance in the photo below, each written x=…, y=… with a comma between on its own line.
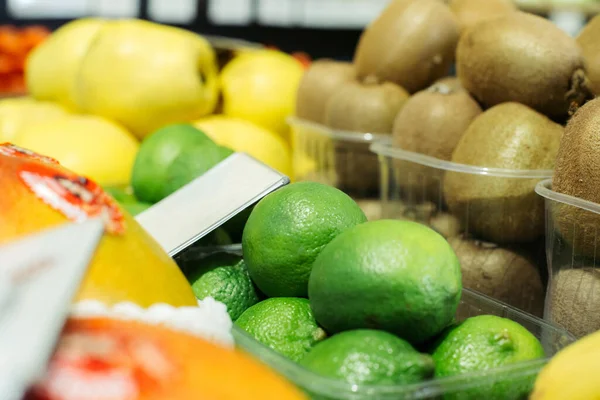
x=365, y=107
x=471, y=12
x=496, y=208
x=412, y=43
x=501, y=273
x=577, y=173
x=575, y=300
x=431, y=122
x=523, y=58
x=322, y=79
x=590, y=45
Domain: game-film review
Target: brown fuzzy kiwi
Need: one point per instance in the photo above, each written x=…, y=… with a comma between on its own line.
x=471, y=12
x=575, y=299
x=411, y=43
x=446, y=224
x=501, y=273
x=431, y=123
x=367, y=107
x=590, y=45
x=451, y=81
x=322, y=79
x=577, y=173
x=526, y=59
x=497, y=208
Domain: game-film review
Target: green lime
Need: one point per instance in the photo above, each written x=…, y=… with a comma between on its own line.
x=369, y=357
x=482, y=343
x=218, y=237
x=235, y=226
x=397, y=276
x=157, y=152
x=288, y=229
x=224, y=277
x=135, y=207
x=285, y=324
x=121, y=194
x=192, y=163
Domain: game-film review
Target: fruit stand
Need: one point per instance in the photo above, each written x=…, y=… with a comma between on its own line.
x=424, y=226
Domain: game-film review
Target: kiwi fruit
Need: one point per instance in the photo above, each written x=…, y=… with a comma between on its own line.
x=452, y=81
x=371, y=208
x=365, y=107
x=411, y=43
x=471, y=12
x=577, y=173
x=322, y=79
x=502, y=209
x=526, y=59
x=501, y=273
x=431, y=123
x=590, y=45
x=446, y=224
x=575, y=299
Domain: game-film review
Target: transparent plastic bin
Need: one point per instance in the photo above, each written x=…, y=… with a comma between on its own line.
x=337, y=158
x=497, y=207
x=469, y=386
x=573, y=253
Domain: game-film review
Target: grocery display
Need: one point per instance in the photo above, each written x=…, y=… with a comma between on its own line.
x=432, y=234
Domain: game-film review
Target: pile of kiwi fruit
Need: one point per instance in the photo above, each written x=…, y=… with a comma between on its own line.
x=522, y=99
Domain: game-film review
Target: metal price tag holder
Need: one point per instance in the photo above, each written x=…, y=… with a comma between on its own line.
x=39, y=277
x=189, y=214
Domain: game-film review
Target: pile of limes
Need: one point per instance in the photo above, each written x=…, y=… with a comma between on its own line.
x=368, y=303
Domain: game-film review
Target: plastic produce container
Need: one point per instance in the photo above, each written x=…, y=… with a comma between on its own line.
x=337, y=158
x=468, y=386
x=572, y=250
x=498, y=208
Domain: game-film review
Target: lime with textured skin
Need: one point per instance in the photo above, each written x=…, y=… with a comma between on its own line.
x=156, y=153
x=285, y=324
x=369, y=357
x=482, y=343
x=397, y=276
x=287, y=230
x=224, y=277
x=192, y=163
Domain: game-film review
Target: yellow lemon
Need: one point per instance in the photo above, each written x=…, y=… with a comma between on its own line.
x=260, y=86
x=16, y=113
x=89, y=145
x=247, y=137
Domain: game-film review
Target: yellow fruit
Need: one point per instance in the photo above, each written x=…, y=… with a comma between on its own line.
x=89, y=145
x=16, y=113
x=145, y=75
x=260, y=86
x=52, y=67
x=572, y=373
x=244, y=136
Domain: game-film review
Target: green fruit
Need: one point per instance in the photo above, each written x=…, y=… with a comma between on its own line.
x=482, y=343
x=397, y=276
x=288, y=229
x=192, y=163
x=135, y=207
x=235, y=226
x=121, y=194
x=285, y=324
x=156, y=154
x=369, y=357
x=224, y=277
x=218, y=237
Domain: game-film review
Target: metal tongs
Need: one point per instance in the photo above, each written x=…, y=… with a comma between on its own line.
x=39, y=277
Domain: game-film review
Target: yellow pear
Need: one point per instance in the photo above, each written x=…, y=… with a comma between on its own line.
x=145, y=75
x=17, y=113
x=260, y=86
x=89, y=145
x=51, y=68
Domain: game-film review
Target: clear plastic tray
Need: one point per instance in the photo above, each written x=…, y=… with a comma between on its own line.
x=572, y=250
x=463, y=387
x=337, y=158
x=464, y=201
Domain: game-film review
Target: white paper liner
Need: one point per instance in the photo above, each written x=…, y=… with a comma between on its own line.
x=209, y=321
